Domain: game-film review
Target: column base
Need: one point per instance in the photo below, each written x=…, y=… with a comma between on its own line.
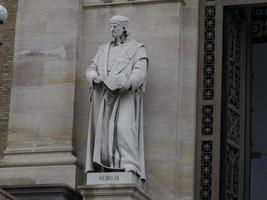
x=29, y=168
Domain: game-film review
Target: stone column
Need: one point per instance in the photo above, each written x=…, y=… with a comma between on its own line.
x=39, y=148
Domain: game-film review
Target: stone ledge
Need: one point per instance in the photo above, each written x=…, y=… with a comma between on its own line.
x=33, y=175
x=113, y=192
x=43, y=192
x=37, y=159
x=10, y=151
x=97, y=3
x=6, y=196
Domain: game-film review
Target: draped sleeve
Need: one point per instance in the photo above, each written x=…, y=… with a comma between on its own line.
x=93, y=69
x=139, y=72
x=91, y=73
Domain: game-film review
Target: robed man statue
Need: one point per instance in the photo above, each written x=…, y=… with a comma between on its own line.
x=117, y=78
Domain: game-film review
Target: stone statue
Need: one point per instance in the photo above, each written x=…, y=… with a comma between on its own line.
x=117, y=78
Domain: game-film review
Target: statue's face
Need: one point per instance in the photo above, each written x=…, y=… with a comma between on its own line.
x=116, y=30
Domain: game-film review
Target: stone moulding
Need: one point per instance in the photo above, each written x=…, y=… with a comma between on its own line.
x=42, y=192
x=123, y=191
x=37, y=159
x=5, y=196
x=96, y=3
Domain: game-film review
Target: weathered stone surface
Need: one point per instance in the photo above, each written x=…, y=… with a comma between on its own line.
x=114, y=178
x=113, y=191
x=7, y=36
x=25, y=157
x=43, y=192
x=32, y=175
x=187, y=108
x=42, y=97
x=6, y=196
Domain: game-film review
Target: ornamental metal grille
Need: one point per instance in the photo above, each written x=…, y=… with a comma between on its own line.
x=259, y=24
x=232, y=145
x=233, y=64
x=232, y=172
x=207, y=119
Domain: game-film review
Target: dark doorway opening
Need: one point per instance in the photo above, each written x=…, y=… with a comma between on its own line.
x=258, y=131
x=258, y=161
x=243, y=174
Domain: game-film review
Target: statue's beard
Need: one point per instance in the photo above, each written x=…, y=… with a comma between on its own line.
x=121, y=40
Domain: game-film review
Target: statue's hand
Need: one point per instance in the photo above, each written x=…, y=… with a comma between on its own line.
x=125, y=86
x=123, y=83
x=118, y=82
x=97, y=79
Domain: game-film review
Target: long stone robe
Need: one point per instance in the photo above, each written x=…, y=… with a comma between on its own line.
x=115, y=133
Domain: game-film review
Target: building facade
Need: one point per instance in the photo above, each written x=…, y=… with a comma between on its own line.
x=197, y=107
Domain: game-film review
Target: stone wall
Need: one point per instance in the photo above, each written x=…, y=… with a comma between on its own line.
x=39, y=146
x=7, y=35
x=187, y=103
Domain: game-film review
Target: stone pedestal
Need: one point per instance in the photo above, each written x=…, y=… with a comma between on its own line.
x=113, y=186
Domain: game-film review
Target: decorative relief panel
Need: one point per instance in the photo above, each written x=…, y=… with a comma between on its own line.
x=233, y=127
x=207, y=119
x=232, y=172
x=209, y=53
x=232, y=137
x=233, y=64
x=233, y=88
x=207, y=115
x=206, y=170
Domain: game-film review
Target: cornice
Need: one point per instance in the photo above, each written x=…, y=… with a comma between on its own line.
x=98, y=3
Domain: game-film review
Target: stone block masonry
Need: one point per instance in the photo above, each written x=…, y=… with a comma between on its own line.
x=7, y=36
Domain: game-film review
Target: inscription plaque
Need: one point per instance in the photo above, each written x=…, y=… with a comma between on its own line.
x=109, y=178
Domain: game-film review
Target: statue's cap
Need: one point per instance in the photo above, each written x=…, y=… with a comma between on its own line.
x=120, y=20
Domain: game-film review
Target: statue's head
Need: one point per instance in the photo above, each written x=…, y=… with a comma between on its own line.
x=118, y=26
